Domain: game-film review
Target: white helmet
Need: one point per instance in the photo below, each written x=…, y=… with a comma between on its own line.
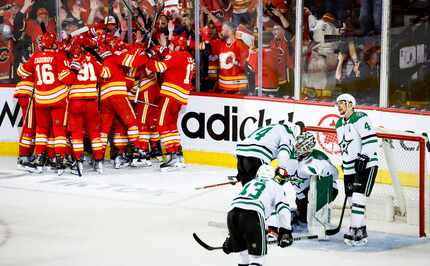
x=266, y=171
x=347, y=98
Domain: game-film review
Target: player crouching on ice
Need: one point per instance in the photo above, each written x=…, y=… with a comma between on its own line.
x=259, y=198
x=315, y=186
x=358, y=145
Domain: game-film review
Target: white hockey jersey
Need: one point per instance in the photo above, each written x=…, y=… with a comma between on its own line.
x=316, y=164
x=272, y=142
x=356, y=135
x=266, y=197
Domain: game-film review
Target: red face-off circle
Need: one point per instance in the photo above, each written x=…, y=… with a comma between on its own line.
x=328, y=141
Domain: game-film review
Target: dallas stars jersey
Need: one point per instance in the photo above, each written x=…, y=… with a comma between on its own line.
x=316, y=164
x=272, y=142
x=356, y=135
x=266, y=197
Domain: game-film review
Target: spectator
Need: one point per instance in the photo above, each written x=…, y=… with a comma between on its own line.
x=371, y=16
x=242, y=10
x=32, y=27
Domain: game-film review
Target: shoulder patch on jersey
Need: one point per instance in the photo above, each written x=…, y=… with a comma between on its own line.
x=356, y=116
x=319, y=155
x=339, y=122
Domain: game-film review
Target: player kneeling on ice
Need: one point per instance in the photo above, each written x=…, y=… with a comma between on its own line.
x=259, y=198
x=358, y=145
x=265, y=145
x=315, y=186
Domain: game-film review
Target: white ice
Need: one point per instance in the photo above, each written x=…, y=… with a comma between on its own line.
x=144, y=217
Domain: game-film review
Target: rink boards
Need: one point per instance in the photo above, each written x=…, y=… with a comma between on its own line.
x=211, y=125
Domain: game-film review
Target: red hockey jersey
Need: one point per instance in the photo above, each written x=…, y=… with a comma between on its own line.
x=85, y=86
x=271, y=70
x=178, y=69
x=50, y=75
x=232, y=58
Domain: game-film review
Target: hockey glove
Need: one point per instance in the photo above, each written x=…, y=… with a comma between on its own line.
x=285, y=237
x=361, y=163
x=149, y=53
x=227, y=247
x=75, y=66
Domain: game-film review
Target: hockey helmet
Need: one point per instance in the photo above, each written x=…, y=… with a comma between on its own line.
x=347, y=98
x=305, y=143
x=110, y=20
x=179, y=41
x=48, y=40
x=266, y=171
x=281, y=176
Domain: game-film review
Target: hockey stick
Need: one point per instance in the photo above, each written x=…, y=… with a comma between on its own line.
x=336, y=230
x=150, y=104
x=217, y=185
x=210, y=248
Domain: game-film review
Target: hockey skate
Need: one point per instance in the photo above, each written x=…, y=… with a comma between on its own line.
x=173, y=161
x=38, y=163
x=140, y=159
x=98, y=166
x=120, y=161
x=26, y=163
x=156, y=156
x=61, y=167
x=356, y=236
x=77, y=167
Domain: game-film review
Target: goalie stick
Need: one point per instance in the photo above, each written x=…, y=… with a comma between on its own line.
x=336, y=230
x=210, y=248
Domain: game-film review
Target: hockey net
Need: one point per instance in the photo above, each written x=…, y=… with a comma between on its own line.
x=402, y=188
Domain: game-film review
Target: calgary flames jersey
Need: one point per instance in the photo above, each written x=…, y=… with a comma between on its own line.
x=271, y=70
x=85, y=86
x=24, y=88
x=50, y=75
x=178, y=69
x=232, y=58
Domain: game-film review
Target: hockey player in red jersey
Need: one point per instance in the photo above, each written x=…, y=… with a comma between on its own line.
x=24, y=93
x=50, y=72
x=232, y=57
x=83, y=112
x=177, y=68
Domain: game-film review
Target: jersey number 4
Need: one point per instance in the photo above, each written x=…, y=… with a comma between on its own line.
x=260, y=133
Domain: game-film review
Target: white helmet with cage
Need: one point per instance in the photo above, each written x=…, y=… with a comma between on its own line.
x=305, y=143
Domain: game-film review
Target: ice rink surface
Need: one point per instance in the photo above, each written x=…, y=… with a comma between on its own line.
x=144, y=217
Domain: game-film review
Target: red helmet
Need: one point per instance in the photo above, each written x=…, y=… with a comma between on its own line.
x=179, y=41
x=48, y=40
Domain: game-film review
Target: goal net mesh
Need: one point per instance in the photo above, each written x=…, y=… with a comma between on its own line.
x=402, y=189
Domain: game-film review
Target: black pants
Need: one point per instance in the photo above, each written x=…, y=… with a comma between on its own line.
x=247, y=231
x=361, y=182
x=247, y=168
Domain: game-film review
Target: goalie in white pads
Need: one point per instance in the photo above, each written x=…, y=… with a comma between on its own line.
x=312, y=204
x=358, y=145
x=265, y=145
x=258, y=199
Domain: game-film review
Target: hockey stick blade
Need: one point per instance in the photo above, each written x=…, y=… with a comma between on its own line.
x=336, y=230
x=203, y=244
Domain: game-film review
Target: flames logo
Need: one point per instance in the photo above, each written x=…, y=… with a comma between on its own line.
x=4, y=54
x=328, y=141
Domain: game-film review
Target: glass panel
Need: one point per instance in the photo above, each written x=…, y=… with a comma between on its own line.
x=341, y=50
x=409, y=85
x=278, y=49
x=19, y=29
x=227, y=31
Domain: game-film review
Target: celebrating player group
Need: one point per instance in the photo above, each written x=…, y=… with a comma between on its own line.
x=92, y=89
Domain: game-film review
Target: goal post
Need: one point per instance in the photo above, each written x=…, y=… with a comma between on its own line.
x=403, y=166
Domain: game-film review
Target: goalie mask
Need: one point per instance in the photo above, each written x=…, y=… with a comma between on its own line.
x=305, y=144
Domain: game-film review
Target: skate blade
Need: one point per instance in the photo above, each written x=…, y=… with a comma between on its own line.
x=176, y=167
x=141, y=164
x=353, y=243
x=60, y=172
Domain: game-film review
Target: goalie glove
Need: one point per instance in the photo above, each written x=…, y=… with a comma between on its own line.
x=361, y=163
x=285, y=237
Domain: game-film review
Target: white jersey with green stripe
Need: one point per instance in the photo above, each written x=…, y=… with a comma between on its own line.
x=356, y=135
x=272, y=142
x=266, y=197
x=317, y=163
